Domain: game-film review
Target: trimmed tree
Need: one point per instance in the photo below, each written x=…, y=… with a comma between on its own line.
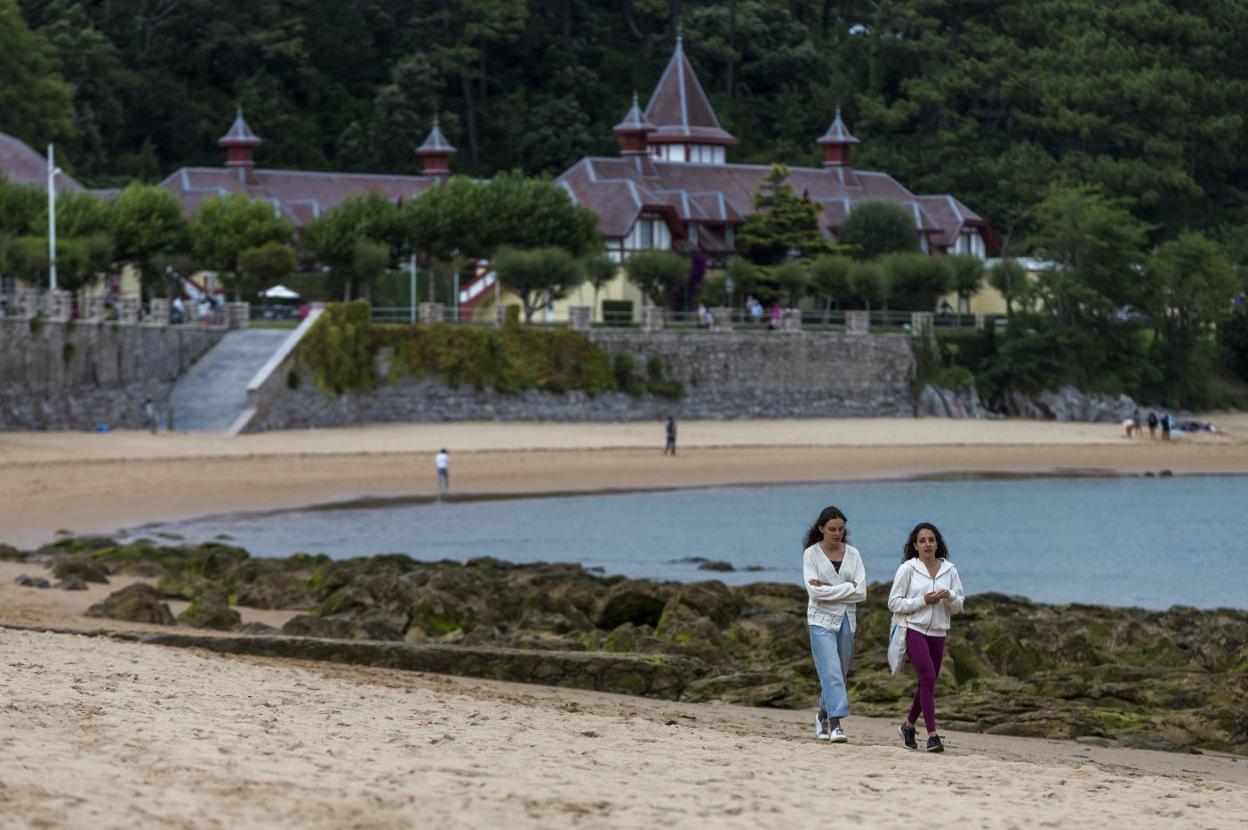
x=227, y=226
x=794, y=280
x=1010, y=280
x=658, y=274
x=537, y=276
x=968, y=277
x=876, y=227
x=829, y=279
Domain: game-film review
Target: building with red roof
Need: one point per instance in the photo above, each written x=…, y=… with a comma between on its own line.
x=299, y=195
x=672, y=185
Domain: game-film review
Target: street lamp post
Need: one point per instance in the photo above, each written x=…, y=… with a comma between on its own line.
x=52, y=171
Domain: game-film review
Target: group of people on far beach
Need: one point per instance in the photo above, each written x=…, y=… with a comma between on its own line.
x=926, y=593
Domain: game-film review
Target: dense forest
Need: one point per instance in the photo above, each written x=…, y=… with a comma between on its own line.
x=988, y=99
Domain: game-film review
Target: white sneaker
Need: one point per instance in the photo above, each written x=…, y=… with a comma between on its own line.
x=821, y=729
x=837, y=735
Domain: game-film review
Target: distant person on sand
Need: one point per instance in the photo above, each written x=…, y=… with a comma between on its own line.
x=1137, y=423
x=443, y=463
x=1165, y=426
x=149, y=414
x=670, y=446
x=1152, y=424
x=835, y=583
x=927, y=592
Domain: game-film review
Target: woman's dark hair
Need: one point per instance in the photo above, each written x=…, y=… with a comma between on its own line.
x=910, y=551
x=829, y=513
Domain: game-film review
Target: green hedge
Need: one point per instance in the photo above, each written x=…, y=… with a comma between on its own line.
x=340, y=352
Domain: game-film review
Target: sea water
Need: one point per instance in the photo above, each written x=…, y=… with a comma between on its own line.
x=1149, y=542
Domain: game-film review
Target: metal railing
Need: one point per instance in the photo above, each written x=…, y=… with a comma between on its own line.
x=811, y=320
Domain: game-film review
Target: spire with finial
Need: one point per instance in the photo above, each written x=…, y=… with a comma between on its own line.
x=239, y=143
x=836, y=142
x=633, y=131
x=436, y=152
x=680, y=111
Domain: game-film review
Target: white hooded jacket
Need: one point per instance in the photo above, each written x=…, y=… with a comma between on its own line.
x=835, y=599
x=906, y=601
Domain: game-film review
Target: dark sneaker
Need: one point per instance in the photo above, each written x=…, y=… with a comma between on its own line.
x=907, y=736
x=934, y=744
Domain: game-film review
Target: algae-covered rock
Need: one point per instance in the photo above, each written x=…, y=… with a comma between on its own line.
x=139, y=602
x=639, y=602
x=211, y=610
x=83, y=569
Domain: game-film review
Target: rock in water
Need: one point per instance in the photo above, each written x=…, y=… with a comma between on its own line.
x=139, y=602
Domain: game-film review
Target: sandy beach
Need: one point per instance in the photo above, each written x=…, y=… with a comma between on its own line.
x=100, y=733
x=105, y=734
x=98, y=483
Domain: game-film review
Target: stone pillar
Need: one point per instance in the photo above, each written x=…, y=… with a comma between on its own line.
x=92, y=306
x=579, y=317
x=721, y=319
x=921, y=325
x=60, y=305
x=857, y=322
x=791, y=320
x=431, y=313
x=653, y=318
x=28, y=302
x=128, y=310
x=238, y=315
x=158, y=311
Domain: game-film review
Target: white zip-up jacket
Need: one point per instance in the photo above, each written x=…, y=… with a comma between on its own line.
x=835, y=598
x=906, y=601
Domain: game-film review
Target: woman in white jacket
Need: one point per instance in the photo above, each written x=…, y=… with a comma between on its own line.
x=927, y=592
x=835, y=583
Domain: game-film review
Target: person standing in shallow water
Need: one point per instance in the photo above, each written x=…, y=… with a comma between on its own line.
x=835, y=583
x=927, y=592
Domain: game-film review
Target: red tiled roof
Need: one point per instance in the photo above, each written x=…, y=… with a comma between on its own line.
x=299, y=195
x=22, y=165
x=619, y=190
x=679, y=108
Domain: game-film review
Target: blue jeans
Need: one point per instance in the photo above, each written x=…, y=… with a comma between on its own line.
x=833, y=652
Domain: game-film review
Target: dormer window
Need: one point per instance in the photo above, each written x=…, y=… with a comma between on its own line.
x=690, y=153
x=970, y=242
x=650, y=233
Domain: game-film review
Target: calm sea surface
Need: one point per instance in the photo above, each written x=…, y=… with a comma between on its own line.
x=1145, y=542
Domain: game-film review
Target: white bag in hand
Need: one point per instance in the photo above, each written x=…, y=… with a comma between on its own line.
x=896, y=647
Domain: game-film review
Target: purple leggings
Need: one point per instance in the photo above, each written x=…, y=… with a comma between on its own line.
x=925, y=653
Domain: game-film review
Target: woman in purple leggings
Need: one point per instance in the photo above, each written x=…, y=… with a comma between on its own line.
x=926, y=593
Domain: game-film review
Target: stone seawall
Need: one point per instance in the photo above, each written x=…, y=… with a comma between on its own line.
x=725, y=375
x=77, y=375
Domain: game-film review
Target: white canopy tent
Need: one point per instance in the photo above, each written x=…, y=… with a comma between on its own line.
x=279, y=292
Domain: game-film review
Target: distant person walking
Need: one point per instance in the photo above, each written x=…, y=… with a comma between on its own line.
x=1152, y=424
x=1165, y=426
x=835, y=584
x=927, y=592
x=670, y=447
x=443, y=462
x=1137, y=422
x=149, y=414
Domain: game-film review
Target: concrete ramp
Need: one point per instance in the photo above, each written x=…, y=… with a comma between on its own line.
x=213, y=393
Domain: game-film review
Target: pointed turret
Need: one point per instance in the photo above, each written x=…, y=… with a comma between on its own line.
x=685, y=126
x=239, y=143
x=633, y=131
x=836, y=143
x=436, y=152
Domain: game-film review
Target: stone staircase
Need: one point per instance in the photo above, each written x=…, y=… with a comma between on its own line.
x=213, y=393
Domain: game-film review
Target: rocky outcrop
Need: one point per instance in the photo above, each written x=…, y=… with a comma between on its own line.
x=211, y=610
x=139, y=603
x=1064, y=404
x=1168, y=679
